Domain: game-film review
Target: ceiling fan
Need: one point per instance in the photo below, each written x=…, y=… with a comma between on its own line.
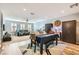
x=73, y=5
x=31, y=13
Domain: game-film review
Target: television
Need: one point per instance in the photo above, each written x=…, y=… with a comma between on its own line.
x=48, y=27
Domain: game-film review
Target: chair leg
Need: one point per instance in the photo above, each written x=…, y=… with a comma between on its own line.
x=46, y=48
x=38, y=44
x=31, y=44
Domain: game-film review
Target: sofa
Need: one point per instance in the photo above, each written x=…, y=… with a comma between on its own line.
x=6, y=37
x=22, y=32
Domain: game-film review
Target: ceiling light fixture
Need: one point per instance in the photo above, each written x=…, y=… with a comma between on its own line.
x=76, y=4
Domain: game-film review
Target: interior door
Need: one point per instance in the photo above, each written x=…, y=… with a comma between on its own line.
x=69, y=31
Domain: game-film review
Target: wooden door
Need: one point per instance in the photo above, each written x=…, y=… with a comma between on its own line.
x=69, y=31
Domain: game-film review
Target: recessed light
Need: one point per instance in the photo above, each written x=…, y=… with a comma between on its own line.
x=62, y=11
x=24, y=9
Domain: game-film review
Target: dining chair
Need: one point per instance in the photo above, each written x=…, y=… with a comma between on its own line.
x=33, y=41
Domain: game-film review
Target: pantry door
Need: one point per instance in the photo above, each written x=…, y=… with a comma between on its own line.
x=69, y=31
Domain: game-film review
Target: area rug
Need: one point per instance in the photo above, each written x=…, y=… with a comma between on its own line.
x=53, y=48
x=30, y=51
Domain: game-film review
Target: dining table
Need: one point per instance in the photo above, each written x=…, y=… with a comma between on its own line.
x=46, y=38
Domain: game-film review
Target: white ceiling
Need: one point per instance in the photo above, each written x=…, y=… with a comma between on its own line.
x=40, y=10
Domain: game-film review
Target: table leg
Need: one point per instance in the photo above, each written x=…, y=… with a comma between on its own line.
x=41, y=49
x=56, y=41
x=35, y=48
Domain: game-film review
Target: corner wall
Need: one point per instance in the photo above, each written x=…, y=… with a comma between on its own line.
x=1, y=29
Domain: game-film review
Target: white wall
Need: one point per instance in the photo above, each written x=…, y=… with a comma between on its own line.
x=70, y=17
x=40, y=24
x=8, y=22
x=1, y=27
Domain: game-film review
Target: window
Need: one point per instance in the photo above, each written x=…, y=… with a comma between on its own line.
x=13, y=27
x=22, y=26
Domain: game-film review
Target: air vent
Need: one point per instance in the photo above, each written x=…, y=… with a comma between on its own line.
x=32, y=13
